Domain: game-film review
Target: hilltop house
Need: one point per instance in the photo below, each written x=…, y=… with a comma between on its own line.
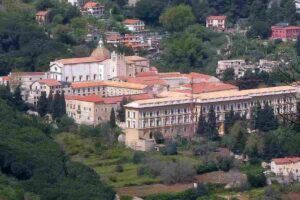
x=134, y=25
x=94, y=9
x=216, y=22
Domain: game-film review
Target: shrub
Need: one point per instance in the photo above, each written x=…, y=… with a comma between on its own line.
x=113, y=179
x=142, y=171
x=170, y=148
x=175, y=172
x=119, y=168
x=205, y=168
x=256, y=178
x=225, y=164
x=138, y=157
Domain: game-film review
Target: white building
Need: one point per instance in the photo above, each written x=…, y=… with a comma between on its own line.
x=134, y=25
x=101, y=65
x=94, y=9
x=286, y=168
x=216, y=22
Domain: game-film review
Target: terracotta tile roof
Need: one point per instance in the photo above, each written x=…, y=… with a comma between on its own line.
x=287, y=160
x=131, y=21
x=67, y=61
x=108, y=100
x=108, y=84
x=42, y=13
x=89, y=98
x=50, y=82
x=286, y=27
x=91, y=4
x=207, y=87
x=221, y=17
x=4, y=78
x=27, y=73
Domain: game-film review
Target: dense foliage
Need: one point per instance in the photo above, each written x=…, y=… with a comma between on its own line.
x=28, y=154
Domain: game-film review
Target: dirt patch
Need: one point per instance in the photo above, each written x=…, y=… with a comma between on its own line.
x=213, y=177
x=292, y=196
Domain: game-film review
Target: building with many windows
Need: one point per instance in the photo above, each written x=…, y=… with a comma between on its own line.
x=134, y=25
x=285, y=32
x=177, y=113
x=94, y=9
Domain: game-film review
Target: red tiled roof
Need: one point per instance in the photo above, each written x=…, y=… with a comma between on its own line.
x=28, y=73
x=42, y=13
x=153, y=69
x=221, y=17
x=286, y=27
x=67, y=61
x=287, y=160
x=91, y=4
x=50, y=82
x=89, y=98
x=5, y=78
x=109, y=100
x=108, y=83
x=207, y=87
x=131, y=21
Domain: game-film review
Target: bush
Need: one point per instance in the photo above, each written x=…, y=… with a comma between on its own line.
x=256, y=178
x=225, y=164
x=205, y=168
x=170, y=148
x=142, y=171
x=119, y=168
x=138, y=157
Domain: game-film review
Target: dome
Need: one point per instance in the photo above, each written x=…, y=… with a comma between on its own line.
x=101, y=52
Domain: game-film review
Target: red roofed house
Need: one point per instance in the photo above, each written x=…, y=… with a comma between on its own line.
x=4, y=80
x=93, y=109
x=93, y=9
x=134, y=25
x=216, y=22
x=42, y=17
x=285, y=32
x=287, y=168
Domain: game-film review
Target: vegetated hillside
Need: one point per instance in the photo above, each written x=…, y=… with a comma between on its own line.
x=30, y=155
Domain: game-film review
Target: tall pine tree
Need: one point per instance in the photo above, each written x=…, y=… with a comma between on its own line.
x=211, y=131
x=112, y=120
x=17, y=99
x=42, y=104
x=201, y=124
x=63, y=104
x=229, y=121
x=56, y=106
x=50, y=102
x=121, y=110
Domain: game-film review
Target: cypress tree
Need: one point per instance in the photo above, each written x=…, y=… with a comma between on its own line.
x=211, y=130
x=270, y=121
x=229, y=121
x=17, y=99
x=50, y=101
x=296, y=125
x=63, y=103
x=42, y=104
x=201, y=124
x=258, y=117
x=56, y=106
x=112, y=120
x=121, y=110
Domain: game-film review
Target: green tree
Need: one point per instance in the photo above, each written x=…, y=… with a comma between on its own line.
x=17, y=99
x=228, y=121
x=112, y=120
x=228, y=75
x=259, y=29
x=56, y=106
x=177, y=18
x=238, y=133
x=255, y=146
x=42, y=104
x=50, y=102
x=121, y=110
x=211, y=130
x=63, y=104
x=201, y=124
x=150, y=10
x=265, y=119
x=297, y=46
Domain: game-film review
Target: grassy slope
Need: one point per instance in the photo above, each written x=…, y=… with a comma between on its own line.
x=104, y=162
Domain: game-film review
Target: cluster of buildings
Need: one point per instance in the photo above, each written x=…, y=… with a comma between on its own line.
x=169, y=103
x=285, y=32
x=240, y=66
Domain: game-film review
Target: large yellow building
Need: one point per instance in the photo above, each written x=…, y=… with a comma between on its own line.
x=177, y=113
